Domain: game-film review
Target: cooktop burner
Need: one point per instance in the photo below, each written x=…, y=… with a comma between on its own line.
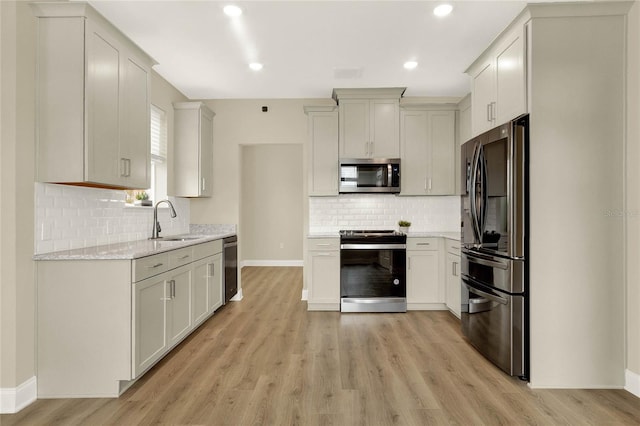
x=372, y=235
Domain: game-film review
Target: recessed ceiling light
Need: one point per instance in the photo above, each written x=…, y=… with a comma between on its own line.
x=410, y=65
x=256, y=66
x=442, y=10
x=232, y=10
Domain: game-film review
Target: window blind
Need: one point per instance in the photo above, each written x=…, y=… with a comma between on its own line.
x=158, y=134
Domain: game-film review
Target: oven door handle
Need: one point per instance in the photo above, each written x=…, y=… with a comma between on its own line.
x=373, y=246
x=489, y=296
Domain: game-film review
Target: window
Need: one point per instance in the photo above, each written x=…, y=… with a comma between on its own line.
x=158, y=132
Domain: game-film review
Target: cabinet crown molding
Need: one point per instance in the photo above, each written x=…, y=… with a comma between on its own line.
x=194, y=105
x=319, y=108
x=86, y=11
x=368, y=93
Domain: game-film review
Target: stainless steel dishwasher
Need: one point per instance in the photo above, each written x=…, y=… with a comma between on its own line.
x=230, y=246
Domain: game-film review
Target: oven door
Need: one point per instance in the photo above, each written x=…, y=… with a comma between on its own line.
x=372, y=278
x=493, y=322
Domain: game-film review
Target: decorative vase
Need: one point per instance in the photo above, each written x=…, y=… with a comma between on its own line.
x=404, y=229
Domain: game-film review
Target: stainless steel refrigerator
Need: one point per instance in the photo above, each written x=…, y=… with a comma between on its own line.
x=494, y=273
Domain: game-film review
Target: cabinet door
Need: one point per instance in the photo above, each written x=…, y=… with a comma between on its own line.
x=206, y=155
x=423, y=284
x=510, y=79
x=441, y=127
x=323, y=151
x=200, y=290
x=135, y=157
x=453, y=288
x=151, y=297
x=354, y=128
x=102, y=96
x=414, y=135
x=215, y=274
x=483, y=99
x=384, y=128
x=179, y=312
x=325, y=277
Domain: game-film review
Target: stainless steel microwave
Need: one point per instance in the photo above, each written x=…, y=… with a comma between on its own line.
x=358, y=175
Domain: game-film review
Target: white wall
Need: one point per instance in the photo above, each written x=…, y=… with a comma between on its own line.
x=576, y=245
x=272, y=204
x=632, y=207
x=17, y=290
x=242, y=122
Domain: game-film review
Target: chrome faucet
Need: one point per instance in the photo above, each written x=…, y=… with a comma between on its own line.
x=155, y=232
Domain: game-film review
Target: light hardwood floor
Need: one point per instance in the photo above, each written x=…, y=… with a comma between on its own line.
x=267, y=361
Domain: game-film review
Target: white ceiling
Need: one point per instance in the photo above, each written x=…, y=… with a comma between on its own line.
x=306, y=45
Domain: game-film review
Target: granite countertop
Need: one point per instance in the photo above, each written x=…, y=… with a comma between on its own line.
x=449, y=235
x=453, y=235
x=137, y=249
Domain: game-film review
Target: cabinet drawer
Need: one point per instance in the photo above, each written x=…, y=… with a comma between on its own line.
x=452, y=246
x=180, y=257
x=316, y=244
x=149, y=266
x=423, y=243
x=200, y=251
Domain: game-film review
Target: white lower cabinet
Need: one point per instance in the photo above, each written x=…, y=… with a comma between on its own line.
x=323, y=277
x=425, y=283
x=207, y=287
x=452, y=268
x=120, y=316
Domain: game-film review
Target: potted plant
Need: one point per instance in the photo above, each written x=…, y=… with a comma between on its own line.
x=404, y=226
x=142, y=198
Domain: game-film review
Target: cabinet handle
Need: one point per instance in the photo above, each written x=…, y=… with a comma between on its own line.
x=172, y=288
x=423, y=244
x=128, y=167
x=186, y=256
x=454, y=269
x=123, y=167
x=157, y=265
x=489, y=111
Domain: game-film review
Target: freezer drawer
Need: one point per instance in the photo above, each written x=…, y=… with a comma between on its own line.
x=493, y=271
x=494, y=323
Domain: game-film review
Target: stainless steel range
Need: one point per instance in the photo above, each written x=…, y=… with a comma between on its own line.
x=372, y=271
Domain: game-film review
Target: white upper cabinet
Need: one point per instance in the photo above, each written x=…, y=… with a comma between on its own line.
x=369, y=122
x=499, y=81
x=428, y=148
x=193, y=149
x=92, y=125
x=322, y=145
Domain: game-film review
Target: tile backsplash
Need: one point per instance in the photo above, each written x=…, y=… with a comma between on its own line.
x=69, y=217
x=373, y=211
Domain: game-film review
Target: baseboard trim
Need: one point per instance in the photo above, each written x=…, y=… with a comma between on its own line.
x=237, y=297
x=15, y=399
x=305, y=294
x=272, y=263
x=632, y=382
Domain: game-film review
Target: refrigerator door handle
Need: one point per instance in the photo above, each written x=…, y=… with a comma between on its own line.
x=473, y=194
x=483, y=193
x=489, y=296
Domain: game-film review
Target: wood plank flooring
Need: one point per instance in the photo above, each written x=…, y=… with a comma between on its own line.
x=267, y=361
